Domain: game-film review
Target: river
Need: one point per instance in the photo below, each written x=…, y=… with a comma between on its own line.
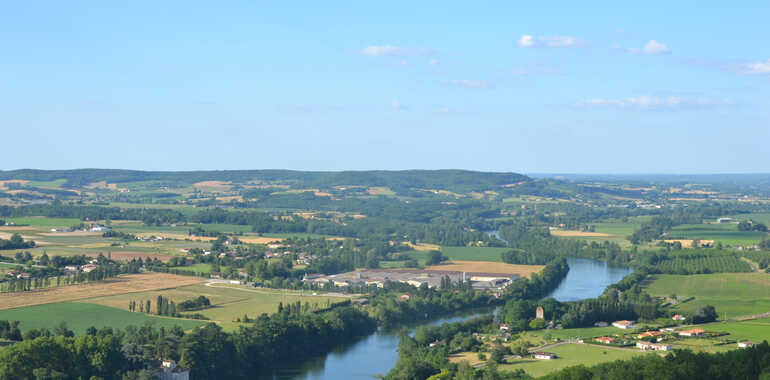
x=377, y=353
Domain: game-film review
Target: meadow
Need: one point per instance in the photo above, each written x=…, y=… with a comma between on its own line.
x=732, y=294
x=80, y=316
x=756, y=330
x=230, y=302
x=726, y=234
x=570, y=355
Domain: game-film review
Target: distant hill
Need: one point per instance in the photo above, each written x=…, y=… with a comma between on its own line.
x=452, y=180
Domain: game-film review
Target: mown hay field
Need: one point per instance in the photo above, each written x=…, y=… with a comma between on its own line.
x=131, y=283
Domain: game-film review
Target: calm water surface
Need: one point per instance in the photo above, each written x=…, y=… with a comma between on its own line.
x=377, y=353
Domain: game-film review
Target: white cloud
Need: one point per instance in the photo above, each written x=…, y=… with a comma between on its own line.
x=651, y=103
x=396, y=105
x=652, y=47
x=467, y=83
x=393, y=51
x=655, y=47
x=529, y=40
x=526, y=41
x=433, y=62
x=757, y=68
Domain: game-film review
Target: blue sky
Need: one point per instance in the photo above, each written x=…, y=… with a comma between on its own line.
x=668, y=87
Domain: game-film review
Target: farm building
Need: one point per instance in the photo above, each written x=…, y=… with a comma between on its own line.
x=605, y=339
x=679, y=317
x=692, y=332
x=623, y=324
x=545, y=355
x=647, y=334
x=645, y=346
x=746, y=344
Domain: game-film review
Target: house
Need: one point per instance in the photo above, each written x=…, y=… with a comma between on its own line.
x=692, y=332
x=404, y=297
x=679, y=317
x=71, y=268
x=170, y=371
x=99, y=229
x=215, y=275
x=505, y=327
x=605, y=339
x=601, y=324
x=746, y=344
x=647, y=334
x=88, y=268
x=623, y=324
x=545, y=355
x=646, y=346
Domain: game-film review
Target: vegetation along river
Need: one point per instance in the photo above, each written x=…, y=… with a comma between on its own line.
x=377, y=353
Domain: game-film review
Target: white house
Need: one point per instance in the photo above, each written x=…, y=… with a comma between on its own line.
x=170, y=371
x=746, y=344
x=545, y=355
x=624, y=324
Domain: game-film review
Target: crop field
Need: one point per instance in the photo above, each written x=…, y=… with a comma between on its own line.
x=198, y=268
x=577, y=333
x=724, y=233
x=230, y=301
x=570, y=355
x=761, y=217
x=732, y=294
x=80, y=316
x=124, y=284
x=571, y=233
x=41, y=221
x=474, y=253
x=488, y=267
x=616, y=232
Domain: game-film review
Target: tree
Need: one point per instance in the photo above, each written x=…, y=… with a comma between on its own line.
x=705, y=314
x=435, y=258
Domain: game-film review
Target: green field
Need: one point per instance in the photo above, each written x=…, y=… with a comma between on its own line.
x=724, y=233
x=474, y=253
x=570, y=355
x=761, y=217
x=229, y=301
x=198, y=268
x=463, y=254
x=80, y=316
x=577, y=333
x=41, y=221
x=732, y=294
x=755, y=330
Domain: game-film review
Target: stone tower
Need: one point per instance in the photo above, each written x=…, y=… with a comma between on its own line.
x=539, y=313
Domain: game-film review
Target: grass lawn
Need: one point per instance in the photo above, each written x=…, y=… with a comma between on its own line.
x=724, y=233
x=732, y=294
x=474, y=253
x=570, y=355
x=80, y=316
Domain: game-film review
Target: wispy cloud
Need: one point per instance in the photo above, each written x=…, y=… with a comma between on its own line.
x=394, y=51
x=651, y=103
x=529, y=40
x=652, y=47
x=467, y=83
x=396, y=105
x=433, y=62
x=757, y=68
